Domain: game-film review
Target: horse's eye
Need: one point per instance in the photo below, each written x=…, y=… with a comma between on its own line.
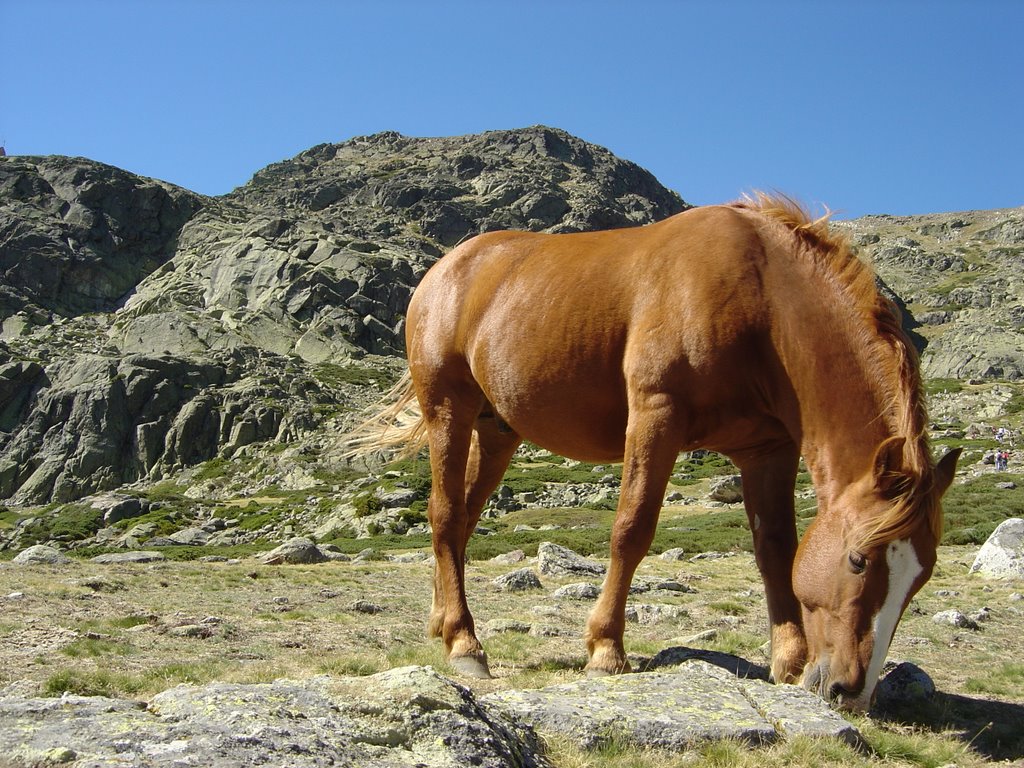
x=858, y=562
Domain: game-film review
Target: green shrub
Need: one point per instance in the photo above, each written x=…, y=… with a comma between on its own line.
x=367, y=504
x=70, y=522
x=974, y=509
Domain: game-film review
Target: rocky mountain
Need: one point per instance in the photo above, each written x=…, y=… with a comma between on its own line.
x=960, y=279
x=147, y=328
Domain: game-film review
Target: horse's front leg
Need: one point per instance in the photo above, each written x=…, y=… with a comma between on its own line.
x=768, y=483
x=650, y=455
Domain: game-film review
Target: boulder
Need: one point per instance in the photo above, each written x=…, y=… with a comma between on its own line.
x=556, y=560
x=118, y=506
x=1002, y=555
x=518, y=581
x=297, y=551
x=578, y=591
x=139, y=557
x=675, y=710
x=727, y=489
x=396, y=719
x=903, y=683
x=41, y=554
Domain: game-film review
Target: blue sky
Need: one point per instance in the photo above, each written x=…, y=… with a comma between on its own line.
x=866, y=107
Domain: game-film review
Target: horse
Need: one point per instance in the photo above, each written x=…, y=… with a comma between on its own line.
x=747, y=328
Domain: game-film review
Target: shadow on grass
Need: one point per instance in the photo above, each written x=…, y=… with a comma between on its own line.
x=992, y=728
x=727, y=661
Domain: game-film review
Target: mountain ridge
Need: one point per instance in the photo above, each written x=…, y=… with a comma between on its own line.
x=147, y=329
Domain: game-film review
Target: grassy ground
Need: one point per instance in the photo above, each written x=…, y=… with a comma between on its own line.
x=136, y=630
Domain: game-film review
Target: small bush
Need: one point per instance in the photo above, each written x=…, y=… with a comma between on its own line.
x=367, y=504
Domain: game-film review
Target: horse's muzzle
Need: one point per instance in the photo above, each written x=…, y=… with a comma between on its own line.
x=817, y=678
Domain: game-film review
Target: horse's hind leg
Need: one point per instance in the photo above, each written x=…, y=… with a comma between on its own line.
x=491, y=450
x=450, y=411
x=489, y=455
x=650, y=455
x=768, y=497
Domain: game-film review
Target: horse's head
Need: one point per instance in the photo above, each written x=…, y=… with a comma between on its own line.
x=855, y=579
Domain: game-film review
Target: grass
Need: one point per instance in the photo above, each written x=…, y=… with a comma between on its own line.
x=974, y=509
x=1004, y=679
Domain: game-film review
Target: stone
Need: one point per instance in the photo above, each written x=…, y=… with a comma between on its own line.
x=137, y=557
x=41, y=554
x=365, y=606
x=674, y=554
x=1002, y=555
x=647, y=614
x=556, y=560
x=727, y=489
x=296, y=551
x=401, y=718
x=518, y=581
x=509, y=558
x=903, y=683
x=504, y=626
x=955, y=618
x=191, y=537
x=674, y=710
x=579, y=591
x=117, y=507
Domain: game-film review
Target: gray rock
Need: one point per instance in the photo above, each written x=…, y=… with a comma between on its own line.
x=727, y=489
x=297, y=551
x=676, y=553
x=401, y=718
x=509, y=558
x=1002, y=555
x=518, y=581
x=365, y=606
x=674, y=710
x=579, y=591
x=647, y=614
x=192, y=537
x=138, y=557
x=41, y=554
x=955, y=619
x=556, y=560
x=903, y=683
x=117, y=507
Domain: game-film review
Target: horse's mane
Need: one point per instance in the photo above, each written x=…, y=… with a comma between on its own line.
x=890, y=358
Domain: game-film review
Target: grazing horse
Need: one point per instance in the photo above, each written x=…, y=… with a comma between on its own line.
x=748, y=329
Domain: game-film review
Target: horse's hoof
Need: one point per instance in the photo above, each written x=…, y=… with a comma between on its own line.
x=471, y=666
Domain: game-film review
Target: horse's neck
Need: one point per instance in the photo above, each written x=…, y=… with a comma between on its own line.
x=844, y=414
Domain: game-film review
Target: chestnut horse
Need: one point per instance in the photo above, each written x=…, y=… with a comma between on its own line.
x=747, y=329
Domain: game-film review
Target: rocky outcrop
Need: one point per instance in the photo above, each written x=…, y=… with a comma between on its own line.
x=960, y=280
x=409, y=716
x=76, y=236
x=146, y=328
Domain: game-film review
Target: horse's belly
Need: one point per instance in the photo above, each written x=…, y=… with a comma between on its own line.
x=579, y=422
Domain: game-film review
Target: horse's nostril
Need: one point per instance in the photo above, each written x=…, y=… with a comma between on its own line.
x=838, y=690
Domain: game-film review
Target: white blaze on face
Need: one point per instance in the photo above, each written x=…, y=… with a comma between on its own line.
x=904, y=568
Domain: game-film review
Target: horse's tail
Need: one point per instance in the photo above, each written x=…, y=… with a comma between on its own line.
x=394, y=424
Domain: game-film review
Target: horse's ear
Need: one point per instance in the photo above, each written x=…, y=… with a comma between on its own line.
x=889, y=463
x=945, y=469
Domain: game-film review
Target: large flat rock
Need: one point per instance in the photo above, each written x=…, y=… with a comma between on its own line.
x=674, y=709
